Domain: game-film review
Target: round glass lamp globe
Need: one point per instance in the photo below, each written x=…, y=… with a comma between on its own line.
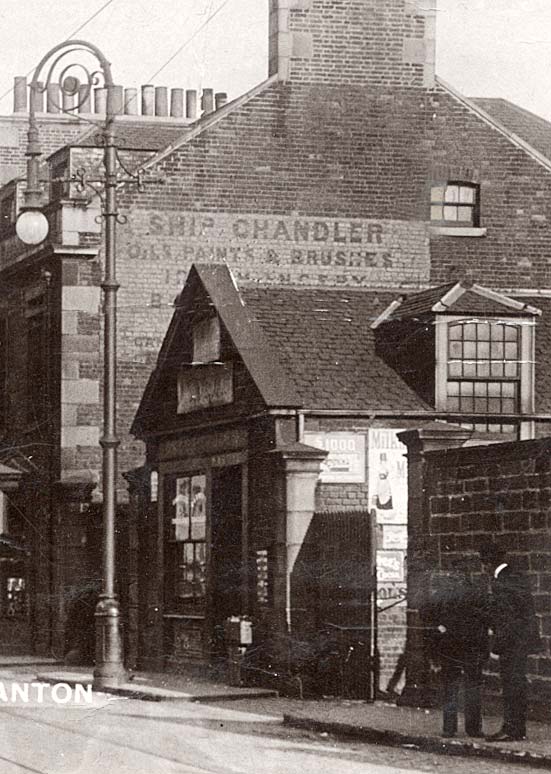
x=32, y=227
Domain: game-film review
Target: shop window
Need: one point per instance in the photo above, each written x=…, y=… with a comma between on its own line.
x=15, y=600
x=455, y=204
x=487, y=373
x=187, y=540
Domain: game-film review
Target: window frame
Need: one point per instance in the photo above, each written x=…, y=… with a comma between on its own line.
x=474, y=207
x=526, y=361
x=177, y=546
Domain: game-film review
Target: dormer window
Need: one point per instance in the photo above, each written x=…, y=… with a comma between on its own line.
x=455, y=204
x=467, y=350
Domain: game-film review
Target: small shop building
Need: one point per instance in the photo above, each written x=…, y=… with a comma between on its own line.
x=275, y=485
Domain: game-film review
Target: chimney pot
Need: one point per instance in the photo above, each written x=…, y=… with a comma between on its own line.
x=131, y=102
x=220, y=99
x=100, y=100
x=207, y=101
x=37, y=98
x=148, y=100
x=191, y=104
x=117, y=100
x=84, y=98
x=53, y=96
x=67, y=101
x=177, y=103
x=161, y=101
x=19, y=94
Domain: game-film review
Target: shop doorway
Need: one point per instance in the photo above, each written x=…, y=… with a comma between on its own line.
x=226, y=559
x=334, y=589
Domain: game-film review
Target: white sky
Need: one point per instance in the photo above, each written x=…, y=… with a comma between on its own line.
x=496, y=48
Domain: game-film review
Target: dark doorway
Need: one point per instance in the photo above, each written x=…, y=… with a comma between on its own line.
x=226, y=560
x=333, y=588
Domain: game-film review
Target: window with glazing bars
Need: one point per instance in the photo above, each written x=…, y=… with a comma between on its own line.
x=484, y=371
x=186, y=576
x=455, y=204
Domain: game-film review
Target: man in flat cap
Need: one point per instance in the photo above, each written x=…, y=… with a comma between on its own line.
x=516, y=635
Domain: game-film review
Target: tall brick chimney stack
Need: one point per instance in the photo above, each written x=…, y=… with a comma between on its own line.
x=361, y=42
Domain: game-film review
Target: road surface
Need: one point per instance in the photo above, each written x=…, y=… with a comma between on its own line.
x=125, y=736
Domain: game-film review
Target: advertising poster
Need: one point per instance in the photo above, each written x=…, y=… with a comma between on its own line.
x=390, y=566
x=345, y=463
x=388, y=481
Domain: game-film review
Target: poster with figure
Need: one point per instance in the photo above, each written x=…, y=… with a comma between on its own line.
x=387, y=473
x=198, y=508
x=181, y=509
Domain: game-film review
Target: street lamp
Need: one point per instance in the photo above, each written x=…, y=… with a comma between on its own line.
x=32, y=228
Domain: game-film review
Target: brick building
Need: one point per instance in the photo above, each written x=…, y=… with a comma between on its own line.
x=50, y=348
x=351, y=170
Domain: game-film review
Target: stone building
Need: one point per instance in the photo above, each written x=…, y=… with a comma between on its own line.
x=351, y=176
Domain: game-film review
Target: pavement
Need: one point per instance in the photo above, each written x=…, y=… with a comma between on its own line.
x=381, y=722
x=158, y=686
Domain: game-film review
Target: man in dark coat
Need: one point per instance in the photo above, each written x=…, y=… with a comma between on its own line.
x=458, y=636
x=516, y=635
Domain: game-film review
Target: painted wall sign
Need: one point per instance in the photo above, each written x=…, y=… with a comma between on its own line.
x=204, y=387
x=284, y=249
x=388, y=482
x=345, y=463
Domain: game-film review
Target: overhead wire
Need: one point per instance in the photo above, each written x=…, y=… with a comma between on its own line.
x=71, y=35
x=190, y=39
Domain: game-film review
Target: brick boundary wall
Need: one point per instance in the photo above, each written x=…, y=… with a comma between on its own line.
x=504, y=491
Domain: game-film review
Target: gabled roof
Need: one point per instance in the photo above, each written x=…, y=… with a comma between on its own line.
x=259, y=357
x=532, y=128
x=303, y=347
x=463, y=297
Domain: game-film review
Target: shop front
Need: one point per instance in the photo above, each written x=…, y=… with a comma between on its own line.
x=272, y=424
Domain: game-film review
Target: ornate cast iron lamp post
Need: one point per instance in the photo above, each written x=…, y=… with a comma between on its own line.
x=32, y=228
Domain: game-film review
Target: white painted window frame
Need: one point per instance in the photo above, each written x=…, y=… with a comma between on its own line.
x=527, y=363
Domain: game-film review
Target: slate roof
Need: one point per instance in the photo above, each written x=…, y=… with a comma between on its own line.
x=139, y=136
x=533, y=129
x=417, y=304
x=463, y=300
x=316, y=349
x=325, y=343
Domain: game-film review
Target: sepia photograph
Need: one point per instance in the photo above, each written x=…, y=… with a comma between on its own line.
x=275, y=386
